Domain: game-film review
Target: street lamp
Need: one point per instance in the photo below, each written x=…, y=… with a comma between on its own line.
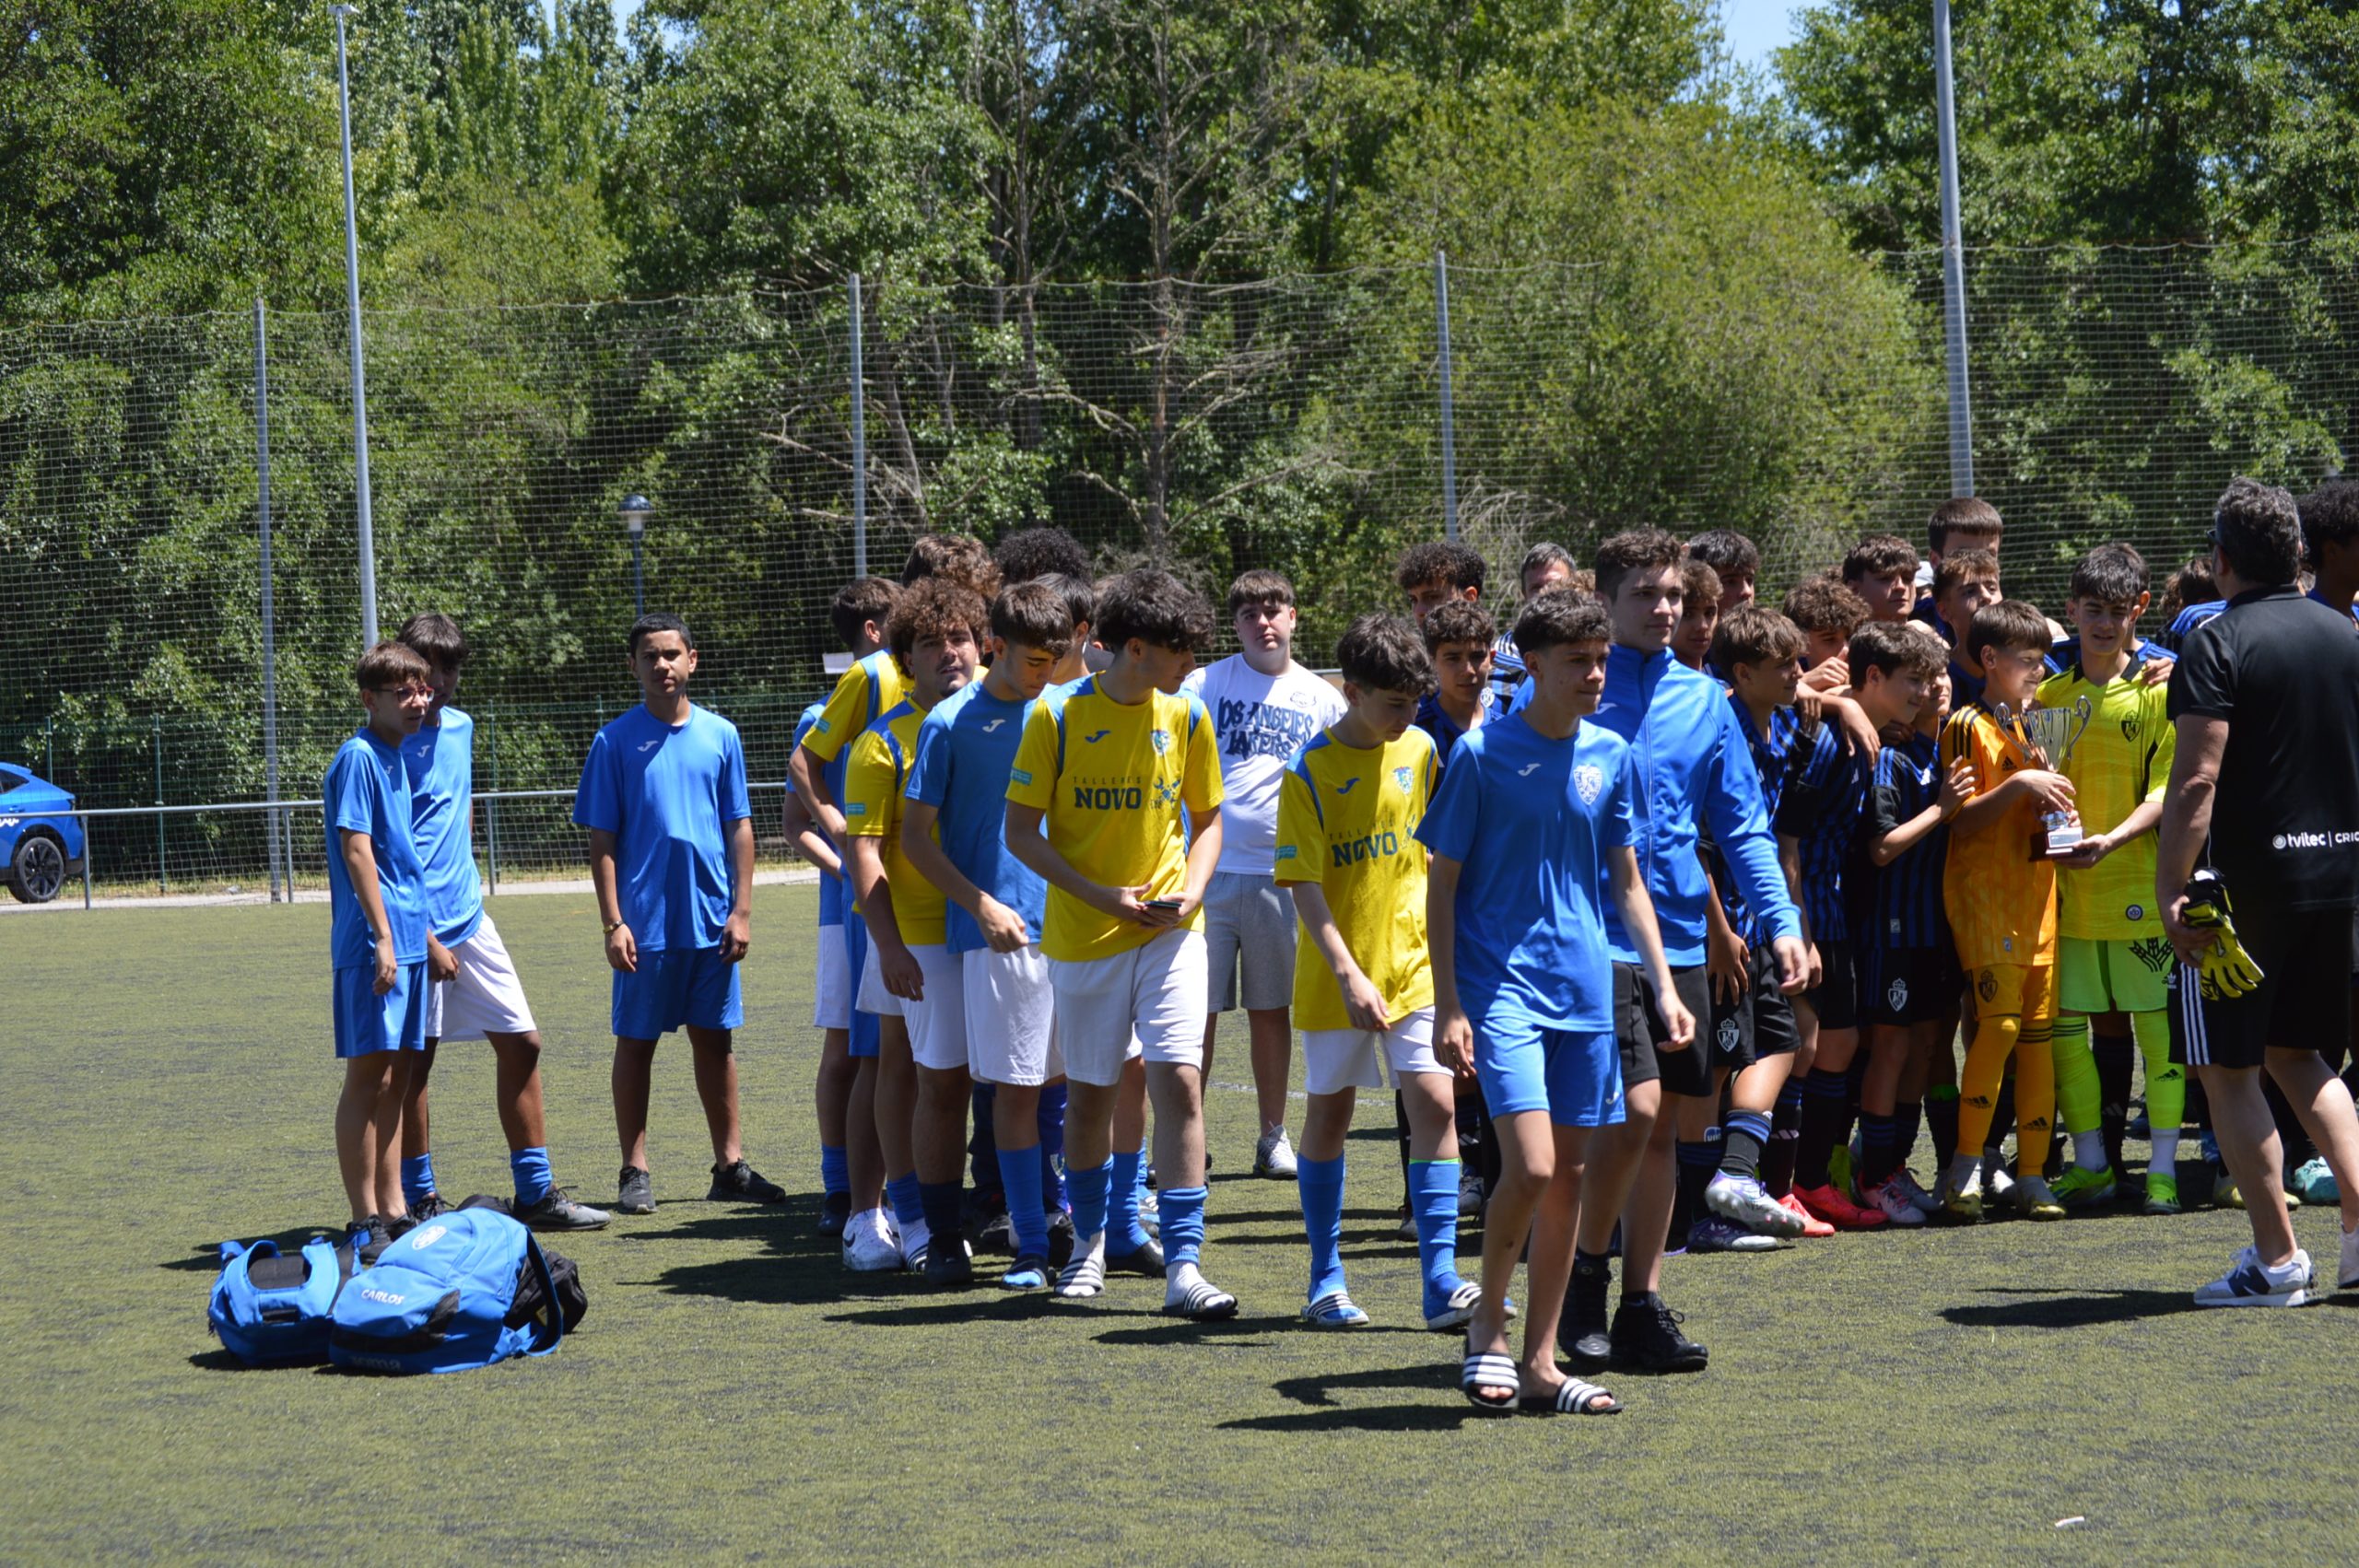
x=634, y=511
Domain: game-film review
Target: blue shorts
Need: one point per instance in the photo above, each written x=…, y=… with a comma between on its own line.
x=694, y=987
x=1573, y=1074
x=864, y=1025
x=367, y=1022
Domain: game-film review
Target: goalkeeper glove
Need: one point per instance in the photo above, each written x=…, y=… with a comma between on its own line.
x=2227, y=969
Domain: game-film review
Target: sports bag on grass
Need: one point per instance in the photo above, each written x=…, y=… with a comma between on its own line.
x=270, y=1309
x=444, y=1298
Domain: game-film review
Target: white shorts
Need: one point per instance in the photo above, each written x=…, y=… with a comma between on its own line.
x=484, y=998
x=873, y=996
x=1011, y=1017
x=1349, y=1058
x=831, y=986
x=938, y=1021
x=1149, y=1002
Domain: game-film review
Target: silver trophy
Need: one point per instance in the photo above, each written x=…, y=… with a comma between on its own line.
x=2051, y=733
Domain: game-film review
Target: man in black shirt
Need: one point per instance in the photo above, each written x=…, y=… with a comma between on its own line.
x=2266, y=701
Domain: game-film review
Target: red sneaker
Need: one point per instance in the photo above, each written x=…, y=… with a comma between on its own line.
x=1812, y=1224
x=1831, y=1206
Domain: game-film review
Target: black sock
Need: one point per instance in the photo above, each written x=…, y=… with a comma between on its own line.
x=1785, y=1133
x=940, y=1201
x=1826, y=1120
x=1742, y=1141
x=1941, y=1115
x=1698, y=1164
x=2117, y=1056
x=1908, y=1119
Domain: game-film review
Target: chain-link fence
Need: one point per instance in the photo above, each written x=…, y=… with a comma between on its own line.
x=1294, y=423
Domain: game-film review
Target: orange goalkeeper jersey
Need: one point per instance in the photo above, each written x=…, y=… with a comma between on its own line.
x=2002, y=901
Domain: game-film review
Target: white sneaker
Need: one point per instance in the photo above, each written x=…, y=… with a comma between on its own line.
x=1748, y=1203
x=1888, y=1198
x=1273, y=1156
x=869, y=1246
x=2347, y=1275
x=915, y=1239
x=2249, y=1283
x=1927, y=1204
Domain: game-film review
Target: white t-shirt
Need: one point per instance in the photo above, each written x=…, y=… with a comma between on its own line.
x=1260, y=721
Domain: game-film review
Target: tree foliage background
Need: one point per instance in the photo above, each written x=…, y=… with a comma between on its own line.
x=1158, y=273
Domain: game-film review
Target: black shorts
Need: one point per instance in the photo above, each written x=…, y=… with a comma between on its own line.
x=1646, y=1052
x=2303, y=1000
x=1759, y=1024
x=1836, y=997
x=1909, y=985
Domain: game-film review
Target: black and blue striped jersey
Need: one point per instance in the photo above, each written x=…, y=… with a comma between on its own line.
x=1907, y=899
x=1775, y=758
x=1822, y=810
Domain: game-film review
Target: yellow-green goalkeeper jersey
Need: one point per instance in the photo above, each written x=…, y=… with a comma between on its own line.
x=2122, y=760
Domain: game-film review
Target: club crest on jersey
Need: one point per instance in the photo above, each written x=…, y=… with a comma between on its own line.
x=1162, y=740
x=1400, y=775
x=1589, y=781
x=1896, y=995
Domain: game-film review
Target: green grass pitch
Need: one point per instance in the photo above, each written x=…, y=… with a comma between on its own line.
x=735, y=1395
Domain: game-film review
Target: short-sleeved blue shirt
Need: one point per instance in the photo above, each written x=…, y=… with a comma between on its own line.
x=366, y=790
x=440, y=760
x=965, y=750
x=668, y=794
x=831, y=888
x=1530, y=821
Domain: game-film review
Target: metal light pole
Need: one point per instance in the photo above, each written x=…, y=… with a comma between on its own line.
x=634, y=511
x=270, y=821
x=1449, y=423
x=859, y=442
x=360, y=386
x=1953, y=263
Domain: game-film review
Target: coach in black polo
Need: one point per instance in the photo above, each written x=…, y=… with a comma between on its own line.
x=2266, y=701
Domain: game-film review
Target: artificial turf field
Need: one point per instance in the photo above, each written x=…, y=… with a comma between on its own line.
x=734, y=1394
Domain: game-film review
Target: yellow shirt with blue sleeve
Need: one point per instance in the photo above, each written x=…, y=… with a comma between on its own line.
x=873, y=687
x=1113, y=778
x=1345, y=816
x=879, y=771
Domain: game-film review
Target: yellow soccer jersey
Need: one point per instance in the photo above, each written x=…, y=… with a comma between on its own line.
x=1345, y=814
x=2122, y=760
x=2001, y=902
x=1113, y=778
x=873, y=687
x=878, y=772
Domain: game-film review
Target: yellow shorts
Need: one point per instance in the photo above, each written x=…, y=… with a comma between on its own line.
x=2021, y=991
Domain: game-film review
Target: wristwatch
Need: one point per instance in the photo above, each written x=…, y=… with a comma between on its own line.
x=613, y=926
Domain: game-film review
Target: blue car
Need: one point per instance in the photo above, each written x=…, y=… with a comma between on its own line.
x=38, y=848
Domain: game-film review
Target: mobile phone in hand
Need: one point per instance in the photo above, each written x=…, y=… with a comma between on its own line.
x=1172, y=904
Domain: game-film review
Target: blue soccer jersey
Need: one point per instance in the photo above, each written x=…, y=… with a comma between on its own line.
x=1530, y=821
x=1774, y=759
x=1695, y=772
x=668, y=793
x=1822, y=810
x=440, y=760
x=366, y=790
x=832, y=889
x=966, y=751
x=1906, y=906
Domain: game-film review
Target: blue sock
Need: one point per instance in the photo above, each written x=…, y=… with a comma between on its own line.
x=530, y=1169
x=1321, y=1182
x=1019, y=1177
x=907, y=1199
x=835, y=1171
x=1878, y=1136
x=1088, y=1187
x=1182, y=1208
x=1050, y=1119
x=1433, y=1198
x=1126, y=1234
x=418, y=1176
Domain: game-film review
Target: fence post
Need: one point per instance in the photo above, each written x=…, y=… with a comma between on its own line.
x=163, y=880
x=270, y=824
x=1449, y=422
x=1953, y=263
x=858, y=443
x=491, y=812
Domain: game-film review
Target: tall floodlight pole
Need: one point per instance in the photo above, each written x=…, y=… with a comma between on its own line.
x=359, y=385
x=1953, y=263
x=270, y=823
x=1448, y=420
x=859, y=442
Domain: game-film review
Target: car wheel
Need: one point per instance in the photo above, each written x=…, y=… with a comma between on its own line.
x=37, y=872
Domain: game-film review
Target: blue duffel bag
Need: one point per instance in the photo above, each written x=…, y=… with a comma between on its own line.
x=465, y=1290
x=269, y=1309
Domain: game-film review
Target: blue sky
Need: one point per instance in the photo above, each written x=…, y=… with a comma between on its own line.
x=1756, y=28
